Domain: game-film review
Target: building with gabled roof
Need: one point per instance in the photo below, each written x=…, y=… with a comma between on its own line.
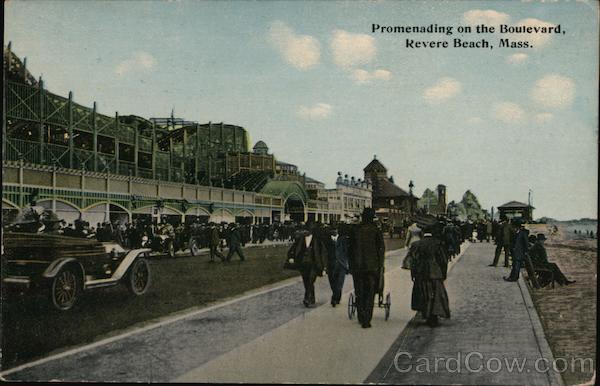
x=514, y=209
x=389, y=200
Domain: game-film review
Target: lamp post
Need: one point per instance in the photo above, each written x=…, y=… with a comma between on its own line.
x=529, y=202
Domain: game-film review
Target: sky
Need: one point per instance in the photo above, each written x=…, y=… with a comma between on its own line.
x=314, y=82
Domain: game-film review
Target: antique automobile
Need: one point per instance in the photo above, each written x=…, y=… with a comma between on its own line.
x=66, y=266
x=163, y=241
x=170, y=240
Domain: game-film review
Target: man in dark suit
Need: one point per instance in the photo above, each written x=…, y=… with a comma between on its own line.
x=214, y=240
x=367, y=253
x=519, y=248
x=337, y=264
x=234, y=242
x=503, y=241
x=309, y=255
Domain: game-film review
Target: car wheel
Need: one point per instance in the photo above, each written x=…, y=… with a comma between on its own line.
x=64, y=290
x=194, y=247
x=138, y=278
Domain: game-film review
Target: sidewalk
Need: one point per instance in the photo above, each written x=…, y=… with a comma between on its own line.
x=492, y=321
x=322, y=346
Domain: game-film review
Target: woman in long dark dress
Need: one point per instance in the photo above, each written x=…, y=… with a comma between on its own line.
x=428, y=271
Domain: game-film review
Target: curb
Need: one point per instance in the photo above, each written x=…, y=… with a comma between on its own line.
x=554, y=378
x=399, y=342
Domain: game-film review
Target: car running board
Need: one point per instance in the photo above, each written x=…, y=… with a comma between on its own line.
x=119, y=272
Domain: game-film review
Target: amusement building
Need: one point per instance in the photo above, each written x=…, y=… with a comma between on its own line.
x=85, y=165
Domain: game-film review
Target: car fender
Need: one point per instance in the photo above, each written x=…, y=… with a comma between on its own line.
x=55, y=267
x=128, y=260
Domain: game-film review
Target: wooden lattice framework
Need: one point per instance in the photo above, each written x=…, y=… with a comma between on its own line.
x=167, y=149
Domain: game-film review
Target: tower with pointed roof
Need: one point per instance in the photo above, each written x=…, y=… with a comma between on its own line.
x=391, y=202
x=375, y=170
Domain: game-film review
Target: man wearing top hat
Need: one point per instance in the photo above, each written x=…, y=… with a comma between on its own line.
x=367, y=253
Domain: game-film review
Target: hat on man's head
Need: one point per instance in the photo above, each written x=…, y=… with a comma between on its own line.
x=426, y=222
x=541, y=236
x=518, y=221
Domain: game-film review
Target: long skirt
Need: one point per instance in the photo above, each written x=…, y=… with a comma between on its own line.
x=430, y=298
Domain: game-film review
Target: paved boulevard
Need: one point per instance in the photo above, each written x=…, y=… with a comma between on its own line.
x=268, y=336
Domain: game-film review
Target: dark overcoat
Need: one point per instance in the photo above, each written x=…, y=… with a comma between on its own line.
x=520, y=245
x=315, y=257
x=367, y=249
x=428, y=270
x=235, y=238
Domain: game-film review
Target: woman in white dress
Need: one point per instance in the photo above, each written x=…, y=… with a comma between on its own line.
x=413, y=234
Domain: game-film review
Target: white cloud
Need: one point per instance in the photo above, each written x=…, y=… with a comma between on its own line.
x=138, y=61
x=554, y=91
x=444, y=89
x=537, y=40
x=487, y=17
x=301, y=51
x=350, y=49
x=543, y=118
x=361, y=76
x=318, y=111
x=508, y=112
x=474, y=121
x=517, y=58
x=382, y=74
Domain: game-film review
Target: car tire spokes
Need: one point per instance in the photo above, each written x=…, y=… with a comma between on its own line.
x=64, y=289
x=139, y=277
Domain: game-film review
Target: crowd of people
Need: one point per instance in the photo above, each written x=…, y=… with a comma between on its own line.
x=432, y=242
x=141, y=232
x=359, y=249
x=355, y=248
x=588, y=233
